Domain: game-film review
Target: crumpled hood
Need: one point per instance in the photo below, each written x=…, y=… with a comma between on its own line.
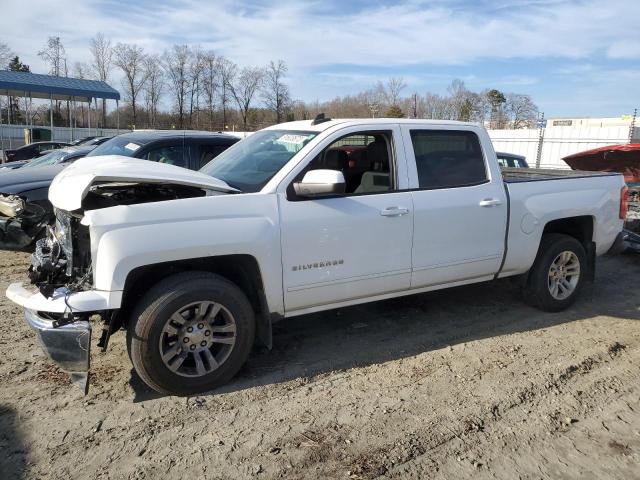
x=72, y=184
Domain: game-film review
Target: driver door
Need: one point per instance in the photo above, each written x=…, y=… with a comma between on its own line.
x=339, y=249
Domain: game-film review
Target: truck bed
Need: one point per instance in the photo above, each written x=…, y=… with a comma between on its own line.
x=518, y=175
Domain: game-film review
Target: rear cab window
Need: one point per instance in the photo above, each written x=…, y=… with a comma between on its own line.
x=448, y=158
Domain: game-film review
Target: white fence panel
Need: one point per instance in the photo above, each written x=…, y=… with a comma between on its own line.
x=557, y=142
x=521, y=142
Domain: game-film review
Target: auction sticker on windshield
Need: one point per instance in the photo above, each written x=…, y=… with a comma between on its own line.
x=132, y=146
x=292, y=138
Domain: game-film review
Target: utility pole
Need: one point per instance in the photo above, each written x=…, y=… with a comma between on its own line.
x=632, y=127
x=541, y=127
x=414, y=98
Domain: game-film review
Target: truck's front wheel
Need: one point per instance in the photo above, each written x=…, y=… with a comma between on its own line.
x=556, y=277
x=190, y=333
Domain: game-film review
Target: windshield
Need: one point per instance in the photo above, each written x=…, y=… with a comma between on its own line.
x=116, y=146
x=250, y=164
x=50, y=158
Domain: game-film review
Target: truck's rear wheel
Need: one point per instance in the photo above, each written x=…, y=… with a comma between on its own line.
x=190, y=333
x=557, y=274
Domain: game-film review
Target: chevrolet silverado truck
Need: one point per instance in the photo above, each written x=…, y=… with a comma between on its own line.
x=300, y=217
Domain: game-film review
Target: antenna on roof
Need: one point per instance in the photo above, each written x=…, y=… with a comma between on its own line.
x=320, y=118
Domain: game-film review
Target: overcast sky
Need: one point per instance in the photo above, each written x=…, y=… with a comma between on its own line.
x=575, y=57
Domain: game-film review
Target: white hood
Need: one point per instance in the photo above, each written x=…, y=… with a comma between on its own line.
x=71, y=185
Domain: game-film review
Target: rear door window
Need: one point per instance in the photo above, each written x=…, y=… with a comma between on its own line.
x=448, y=158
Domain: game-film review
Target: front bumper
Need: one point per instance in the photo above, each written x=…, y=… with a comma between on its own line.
x=62, y=301
x=68, y=346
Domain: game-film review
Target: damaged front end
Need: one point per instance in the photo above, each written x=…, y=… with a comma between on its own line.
x=59, y=268
x=62, y=258
x=21, y=222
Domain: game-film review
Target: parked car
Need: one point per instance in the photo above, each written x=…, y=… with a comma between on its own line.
x=91, y=141
x=63, y=155
x=188, y=149
x=512, y=160
x=32, y=150
x=195, y=265
x=5, y=167
x=23, y=192
x=80, y=141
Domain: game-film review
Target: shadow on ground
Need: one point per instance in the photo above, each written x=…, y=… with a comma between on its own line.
x=393, y=329
x=13, y=452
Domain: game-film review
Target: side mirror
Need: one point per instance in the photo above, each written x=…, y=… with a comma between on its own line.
x=320, y=183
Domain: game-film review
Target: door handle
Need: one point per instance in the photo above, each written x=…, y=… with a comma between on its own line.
x=490, y=202
x=394, y=211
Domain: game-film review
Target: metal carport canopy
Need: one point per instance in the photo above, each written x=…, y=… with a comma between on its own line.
x=21, y=84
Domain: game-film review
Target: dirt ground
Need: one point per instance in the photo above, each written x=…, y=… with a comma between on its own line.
x=452, y=384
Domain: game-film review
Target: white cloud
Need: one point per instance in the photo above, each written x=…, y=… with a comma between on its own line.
x=403, y=34
x=315, y=36
x=625, y=50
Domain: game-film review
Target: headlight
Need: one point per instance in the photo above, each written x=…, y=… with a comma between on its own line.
x=62, y=233
x=11, y=205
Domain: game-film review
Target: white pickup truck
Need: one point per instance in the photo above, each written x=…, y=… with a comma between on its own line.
x=299, y=217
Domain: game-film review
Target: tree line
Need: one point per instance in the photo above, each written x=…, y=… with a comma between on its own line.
x=206, y=90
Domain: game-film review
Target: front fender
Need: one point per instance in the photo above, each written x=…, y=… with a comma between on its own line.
x=176, y=230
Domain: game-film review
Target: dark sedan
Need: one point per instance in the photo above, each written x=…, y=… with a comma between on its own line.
x=64, y=155
x=50, y=157
x=91, y=141
x=32, y=150
x=25, y=210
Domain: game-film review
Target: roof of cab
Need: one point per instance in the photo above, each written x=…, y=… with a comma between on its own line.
x=307, y=125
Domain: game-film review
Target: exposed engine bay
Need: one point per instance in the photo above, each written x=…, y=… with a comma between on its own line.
x=63, y=257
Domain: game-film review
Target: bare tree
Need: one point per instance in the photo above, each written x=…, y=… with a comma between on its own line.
x=176, y=65
x=196, y=66
x=244, y=88
x=130, y=59
x=521, y=109
x=227, y=71
x=5, y=56
x=80, y=70
x=393, y=90
x=153, y=87
x=210, y=82
x=102, y=53
x=275, y=92
x=437, y=107
x=56, y=56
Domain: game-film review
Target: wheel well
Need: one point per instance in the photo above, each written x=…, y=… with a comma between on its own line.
x=581, y=228
x=242, y=270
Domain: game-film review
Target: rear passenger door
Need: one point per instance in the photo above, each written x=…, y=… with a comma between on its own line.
x=460, y=211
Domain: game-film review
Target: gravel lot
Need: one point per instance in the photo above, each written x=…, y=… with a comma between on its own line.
x=449, y=384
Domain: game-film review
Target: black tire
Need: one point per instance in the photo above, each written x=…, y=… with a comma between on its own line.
x=152, y=314
x=537, y=291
